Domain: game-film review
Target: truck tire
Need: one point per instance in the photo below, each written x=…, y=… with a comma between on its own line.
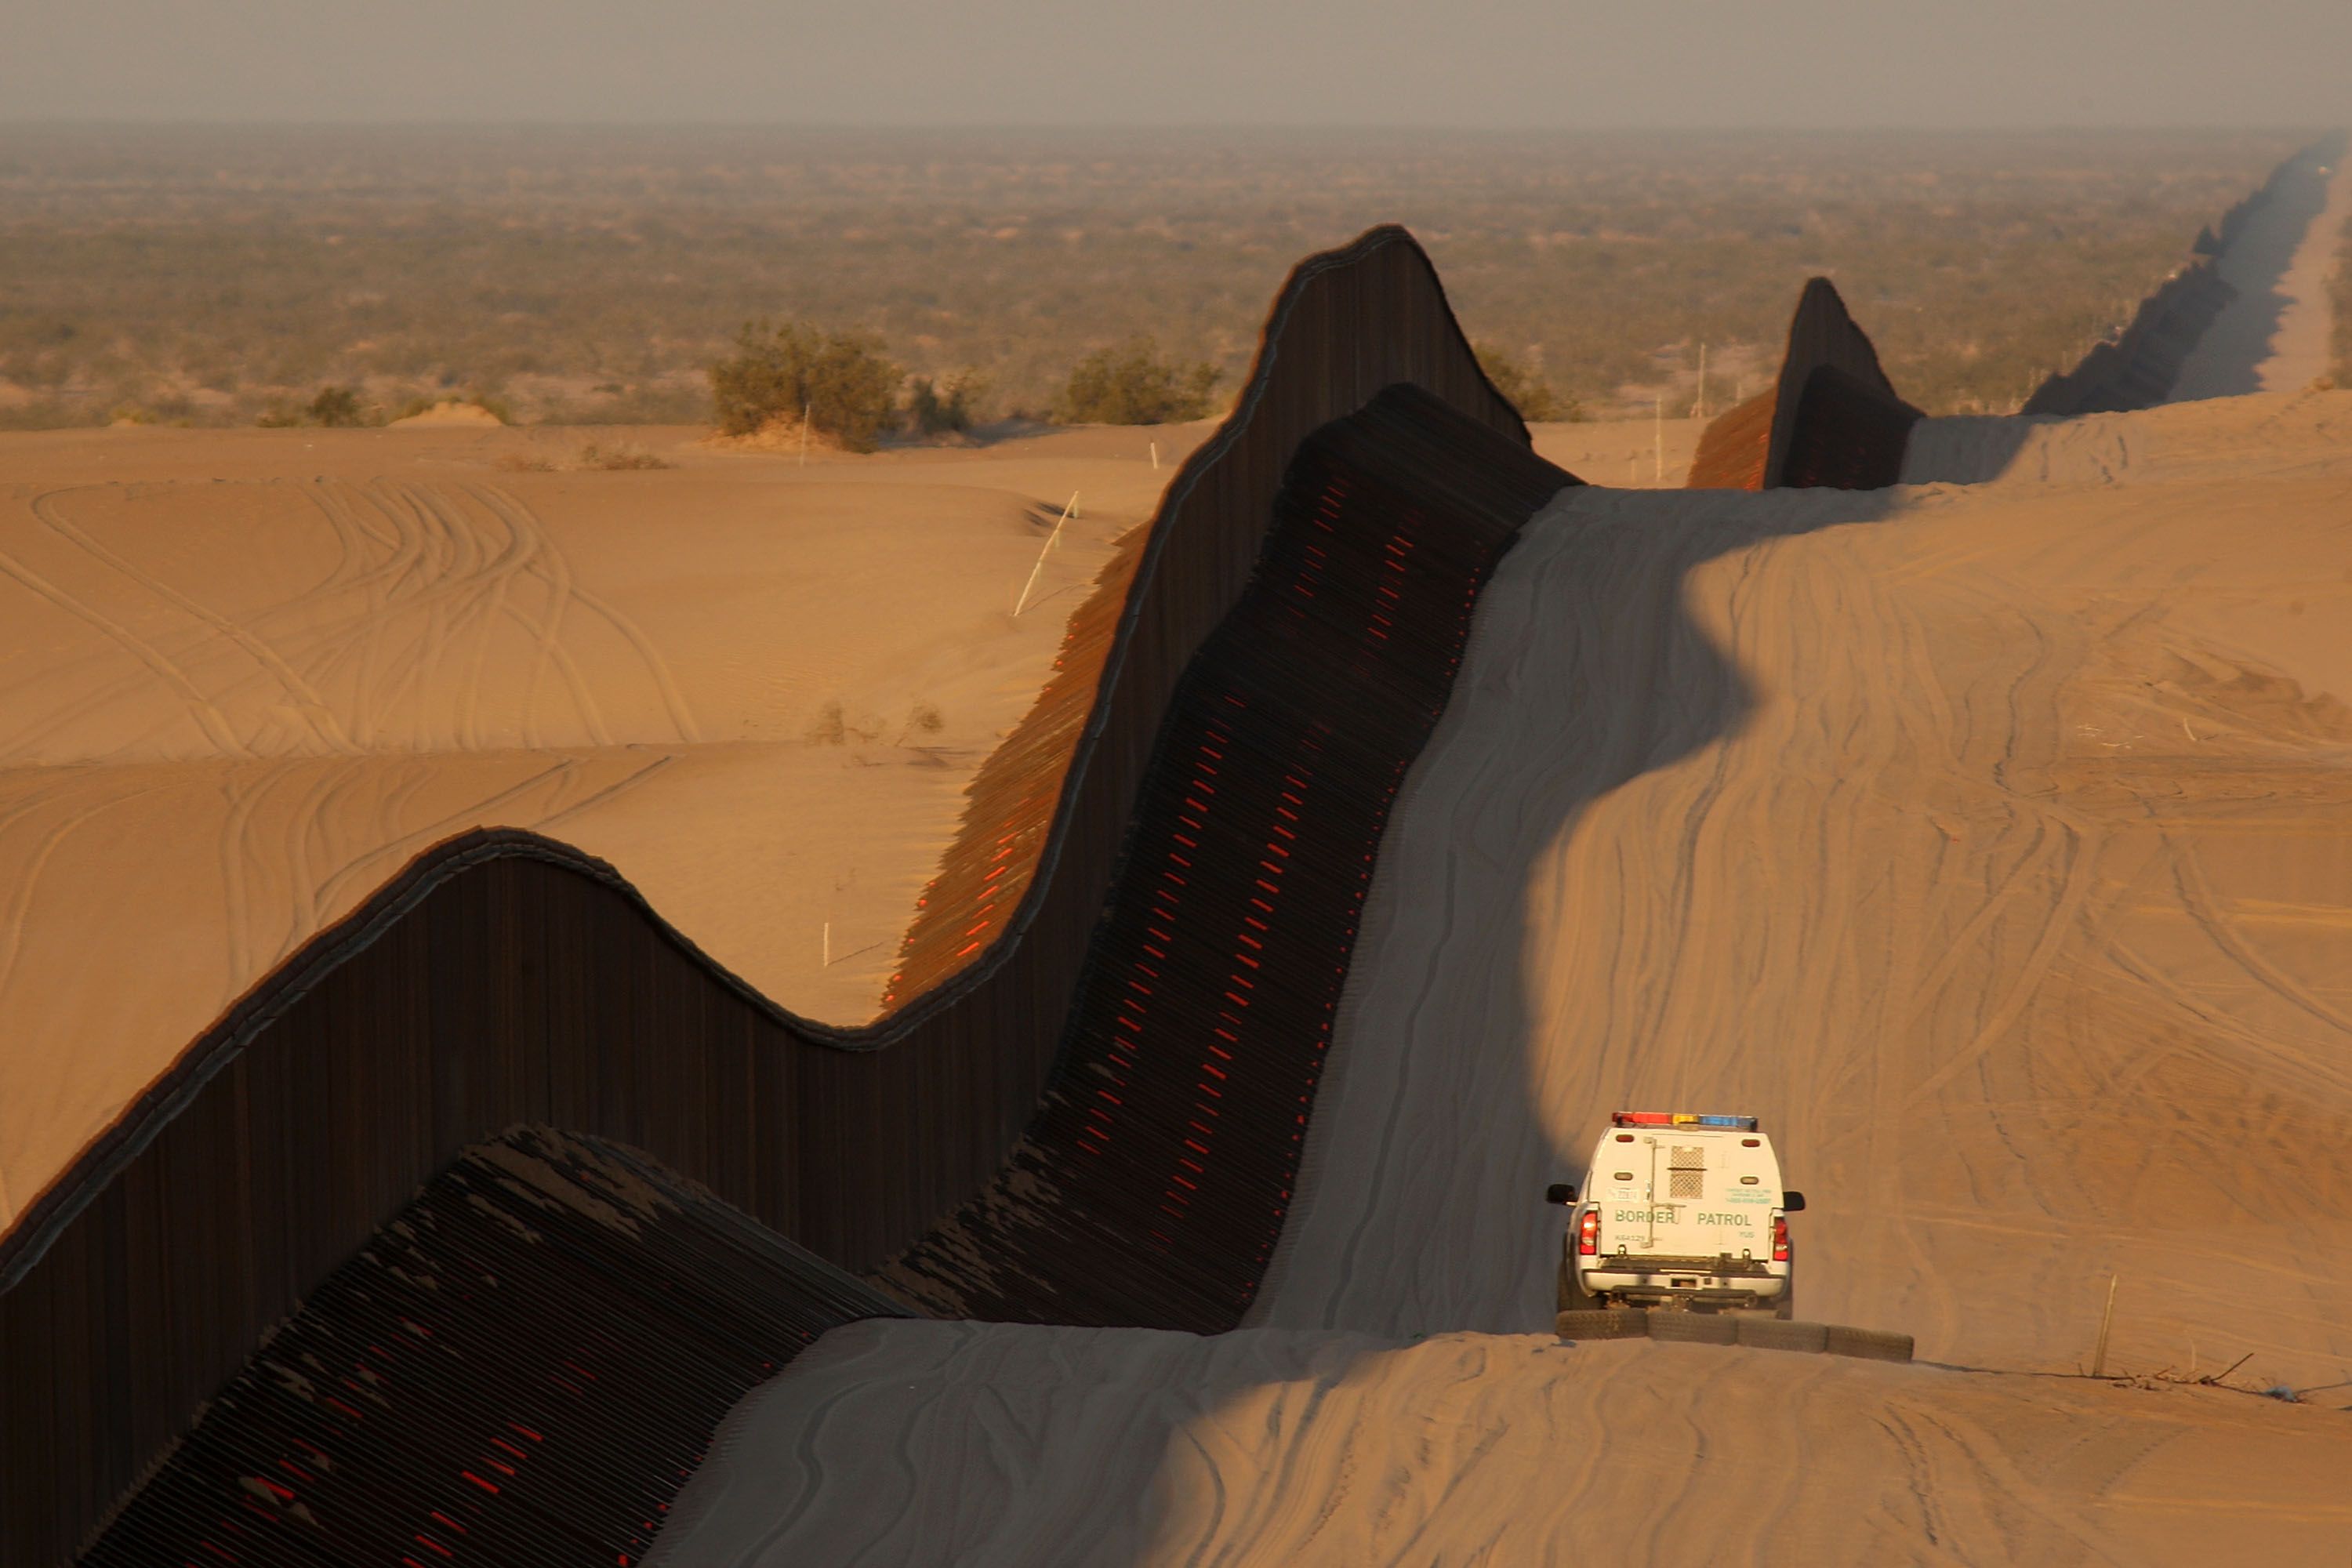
x=1773, y=1334
x=1601, y=1325
x=1785, y=1307
x=1695, y=1328
x=1869, y=1344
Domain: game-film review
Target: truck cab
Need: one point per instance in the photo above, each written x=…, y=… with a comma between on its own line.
x=1680, y=1211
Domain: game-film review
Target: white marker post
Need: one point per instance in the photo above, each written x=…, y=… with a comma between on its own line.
x=828, y=945
x=1155, y=457
x=1027, y=588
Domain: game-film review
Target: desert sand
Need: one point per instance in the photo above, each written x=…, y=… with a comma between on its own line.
x=1628, y=454
x=246, y=676
x=991, y=1446
x=1993, y=841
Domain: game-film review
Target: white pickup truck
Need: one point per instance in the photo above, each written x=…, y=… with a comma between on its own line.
x=1679, y=1211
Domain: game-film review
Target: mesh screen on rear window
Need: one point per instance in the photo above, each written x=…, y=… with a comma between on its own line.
x=1686, y=1172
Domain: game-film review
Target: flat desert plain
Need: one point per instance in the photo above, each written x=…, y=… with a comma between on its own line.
x=1989, y=837
x=245, y=677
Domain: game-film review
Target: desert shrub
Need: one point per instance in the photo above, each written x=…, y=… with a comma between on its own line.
x=783, y=369
x=923, y=717
x=945, y=405
x=829, y=728
x=336, y=407
x=1132, y=384
x=1525, y=385
x=620, y=457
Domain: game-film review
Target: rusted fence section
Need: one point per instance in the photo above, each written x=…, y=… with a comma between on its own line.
x=506, y=978
x=1831, y=418
x=1154, y=1182
x=518, y=1370
x=1010, y=804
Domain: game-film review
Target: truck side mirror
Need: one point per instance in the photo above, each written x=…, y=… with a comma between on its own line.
x=1560, y=1192
x=1792, y=1203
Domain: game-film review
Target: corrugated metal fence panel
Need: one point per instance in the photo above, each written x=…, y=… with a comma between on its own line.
x=1153, y=1183
x=521, y=1368
x=503, y=977
x=1831, y=418
x=1734, y=447
x=1847, y=436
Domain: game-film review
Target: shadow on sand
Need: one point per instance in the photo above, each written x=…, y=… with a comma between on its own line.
x=1428, y=1154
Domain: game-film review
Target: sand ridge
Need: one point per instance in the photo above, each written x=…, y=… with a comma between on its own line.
x=1947, y=830
x=1126, y=1446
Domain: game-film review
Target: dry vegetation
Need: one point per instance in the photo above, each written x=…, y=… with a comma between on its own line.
x=219, y=276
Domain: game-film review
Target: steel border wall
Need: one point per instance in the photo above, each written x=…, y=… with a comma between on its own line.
x=504, y=977
x=1831, y=417
x=519, y=1369
x=619, y=1314
x=1153, y=1185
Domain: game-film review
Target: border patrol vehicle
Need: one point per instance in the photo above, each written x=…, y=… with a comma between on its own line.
x=1682, y=1212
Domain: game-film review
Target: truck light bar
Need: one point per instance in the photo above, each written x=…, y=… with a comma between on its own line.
x=1678, y=1118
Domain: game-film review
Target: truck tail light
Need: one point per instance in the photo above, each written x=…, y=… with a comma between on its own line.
x=1587, y=1234
x=1779, y=1238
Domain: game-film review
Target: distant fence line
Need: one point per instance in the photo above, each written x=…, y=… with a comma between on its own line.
x=2138, y=367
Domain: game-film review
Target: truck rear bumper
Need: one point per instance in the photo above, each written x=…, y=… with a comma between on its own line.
x=1714, y=1289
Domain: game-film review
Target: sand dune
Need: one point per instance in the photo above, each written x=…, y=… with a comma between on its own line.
x=991, y=1444
x=244, y=677
x=1981, y=841
x=1989, y=841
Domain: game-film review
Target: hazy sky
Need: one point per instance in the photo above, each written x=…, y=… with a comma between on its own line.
x=1641, y=63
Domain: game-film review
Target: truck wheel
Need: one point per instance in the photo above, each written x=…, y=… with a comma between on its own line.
x=1785, y=1307
x=1601, y=1325
x=1870, y=1344
x=1695, y=1328
x=1772, y=1334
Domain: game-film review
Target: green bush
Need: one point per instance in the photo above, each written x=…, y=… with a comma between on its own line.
x=1132, y=384
x=840, y=381
x=946, y=404
x=1521, y=383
